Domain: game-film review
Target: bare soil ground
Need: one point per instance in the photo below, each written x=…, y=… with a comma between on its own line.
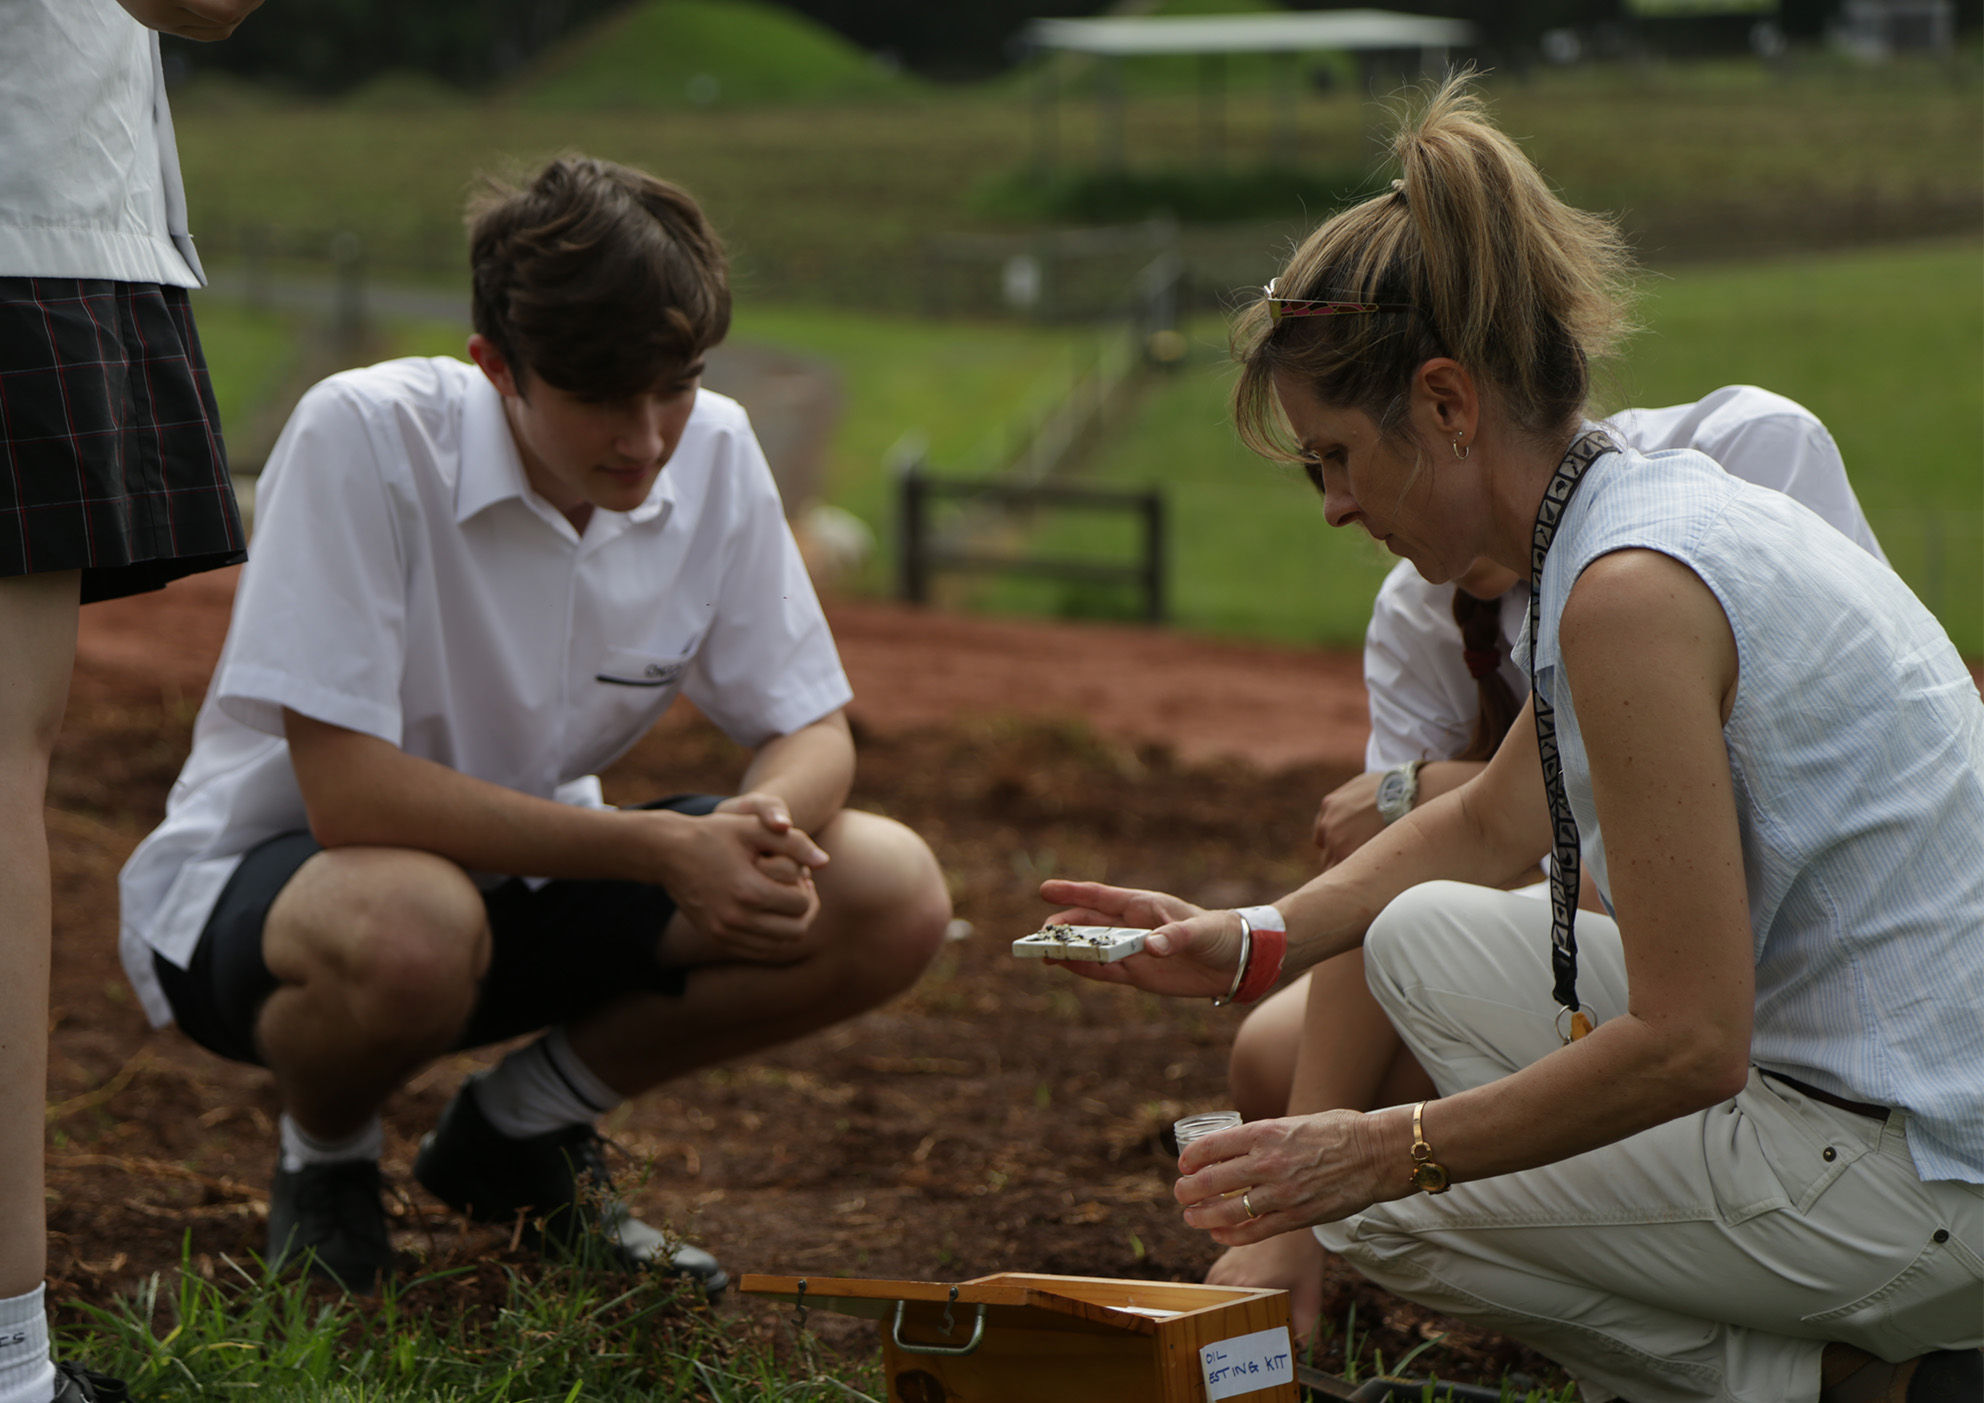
x=1000, y=1116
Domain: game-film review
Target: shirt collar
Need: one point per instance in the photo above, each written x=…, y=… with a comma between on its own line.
x=492, y=470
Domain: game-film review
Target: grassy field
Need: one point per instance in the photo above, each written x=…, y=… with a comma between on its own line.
x=564, y=1336
x=1886, y=346
x=956, y=388
x=836, y=203
x=249, y=354
x=561, y=1337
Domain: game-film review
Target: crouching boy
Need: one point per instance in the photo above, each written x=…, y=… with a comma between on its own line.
x=472, y=587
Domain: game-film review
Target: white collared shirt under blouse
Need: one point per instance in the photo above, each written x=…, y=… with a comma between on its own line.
x=407, y=583
x=1856, y=753
x=89, y=172
x=1422, y=697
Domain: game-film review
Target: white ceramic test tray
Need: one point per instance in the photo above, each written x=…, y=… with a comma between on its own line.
x=1101, y=944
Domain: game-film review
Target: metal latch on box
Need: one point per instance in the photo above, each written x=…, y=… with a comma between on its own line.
x=970, y=1346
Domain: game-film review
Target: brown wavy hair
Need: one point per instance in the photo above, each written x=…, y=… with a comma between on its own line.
x=1490, y=267
x=597, y=278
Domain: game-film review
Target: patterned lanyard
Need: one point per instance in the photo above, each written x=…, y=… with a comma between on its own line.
x=1566, y=857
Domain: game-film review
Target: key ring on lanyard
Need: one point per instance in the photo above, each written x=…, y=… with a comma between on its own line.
x=1566, y=858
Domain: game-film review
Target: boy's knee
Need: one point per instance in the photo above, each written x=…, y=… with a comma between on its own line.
x=1260, y=1068
x=407, y=938
x=889, y=892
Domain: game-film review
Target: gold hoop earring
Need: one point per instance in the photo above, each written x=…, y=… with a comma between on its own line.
x=1459, y=452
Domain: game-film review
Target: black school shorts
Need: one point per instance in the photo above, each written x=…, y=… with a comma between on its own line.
x=111, y=460
x=556, y=952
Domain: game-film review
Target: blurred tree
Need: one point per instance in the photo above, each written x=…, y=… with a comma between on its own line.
x=959, y=39
x=327, y=46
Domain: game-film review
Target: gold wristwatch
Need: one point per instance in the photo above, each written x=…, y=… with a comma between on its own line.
x=1428, y=1174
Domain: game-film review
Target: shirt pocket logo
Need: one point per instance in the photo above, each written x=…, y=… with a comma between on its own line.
x=629, y=667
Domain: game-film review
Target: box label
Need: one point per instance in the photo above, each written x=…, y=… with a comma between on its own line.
x=1247, y=1363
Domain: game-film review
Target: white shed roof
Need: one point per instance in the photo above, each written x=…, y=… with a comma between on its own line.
x=1126, y=36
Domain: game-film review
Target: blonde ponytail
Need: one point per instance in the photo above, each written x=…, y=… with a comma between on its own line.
x=1469, y=255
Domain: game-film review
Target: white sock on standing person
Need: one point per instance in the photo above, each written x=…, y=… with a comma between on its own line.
x=300, y=1148
x=542, y=1087
x=27, y=1374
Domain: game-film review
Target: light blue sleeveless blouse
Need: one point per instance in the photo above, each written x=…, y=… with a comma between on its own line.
x=1857, y=749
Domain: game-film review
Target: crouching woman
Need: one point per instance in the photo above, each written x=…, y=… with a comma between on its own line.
x=1759, y=1174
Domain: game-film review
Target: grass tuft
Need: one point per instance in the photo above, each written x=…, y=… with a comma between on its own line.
x=560, y=1334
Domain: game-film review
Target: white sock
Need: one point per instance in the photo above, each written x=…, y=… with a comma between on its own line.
x=300, y=1147
x=27, y=1375
x=542, y=1087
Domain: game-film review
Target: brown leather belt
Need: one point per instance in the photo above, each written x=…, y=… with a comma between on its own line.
x=1859, y=1108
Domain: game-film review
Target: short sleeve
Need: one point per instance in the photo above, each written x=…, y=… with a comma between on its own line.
x=767, y=665
x=319, y=617
x=1423, y=702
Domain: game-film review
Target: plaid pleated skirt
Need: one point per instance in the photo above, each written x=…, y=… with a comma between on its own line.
x=111, y=460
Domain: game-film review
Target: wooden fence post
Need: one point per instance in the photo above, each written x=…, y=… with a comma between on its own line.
x=913, y=534
x=1154, y=562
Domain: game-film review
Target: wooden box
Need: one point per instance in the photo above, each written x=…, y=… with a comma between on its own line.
x=1019, y=1337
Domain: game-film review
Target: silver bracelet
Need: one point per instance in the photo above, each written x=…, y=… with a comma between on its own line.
x=1246, y=954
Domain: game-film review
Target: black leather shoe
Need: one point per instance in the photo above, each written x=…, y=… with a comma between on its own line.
x=329, y=1215
x=1948, y=1376
x=75, y=1384
x=558, y=1184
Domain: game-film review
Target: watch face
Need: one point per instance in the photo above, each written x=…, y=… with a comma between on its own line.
x=1430, y=1177
x=1391, y=790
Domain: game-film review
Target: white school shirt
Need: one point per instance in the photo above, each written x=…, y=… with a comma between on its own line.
x=1422, y=698
x=407, y=583
x=1856, y=761
x=89, y=172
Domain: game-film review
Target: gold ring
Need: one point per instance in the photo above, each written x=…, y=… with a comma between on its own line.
x=1248, y=1206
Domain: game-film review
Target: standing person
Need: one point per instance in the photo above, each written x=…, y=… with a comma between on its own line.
x=476, y=586
x=1442, y=669
x=1760, y=1175
x=113, y=480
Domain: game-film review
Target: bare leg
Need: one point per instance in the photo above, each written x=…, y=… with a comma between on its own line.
x=1323, y=1047
x=379, y=951
x=883, y=906
x=38, y=643
x=1322, y=1044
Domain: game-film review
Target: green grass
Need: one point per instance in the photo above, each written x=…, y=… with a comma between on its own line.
x=1886, y=346
x=957, y=387
x=560, y=1335
x=677, y=53
x=834, y=202
x=1250, y=553
x=249, y=354
x=557, y=1335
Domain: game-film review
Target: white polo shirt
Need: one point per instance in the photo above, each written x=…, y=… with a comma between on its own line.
x=406, y=582
x=1422, y=698
x=89, y=173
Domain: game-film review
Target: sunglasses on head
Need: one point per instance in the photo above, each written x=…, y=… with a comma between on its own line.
x=1279, y=307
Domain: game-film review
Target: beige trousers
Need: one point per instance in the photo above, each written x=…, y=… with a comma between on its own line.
x=1708, y=1258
